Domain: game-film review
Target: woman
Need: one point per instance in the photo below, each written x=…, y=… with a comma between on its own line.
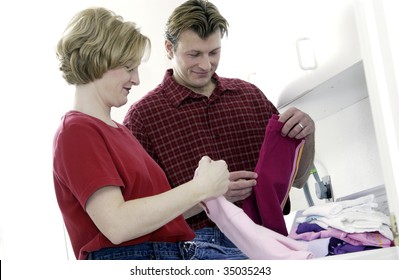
x=115, y=200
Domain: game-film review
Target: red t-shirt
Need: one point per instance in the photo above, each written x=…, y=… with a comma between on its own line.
x=89, y=154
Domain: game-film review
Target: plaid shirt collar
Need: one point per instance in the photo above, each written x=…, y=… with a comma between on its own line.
x=177, y=93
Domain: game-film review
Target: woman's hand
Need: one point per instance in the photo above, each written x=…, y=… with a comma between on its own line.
x=213, y=176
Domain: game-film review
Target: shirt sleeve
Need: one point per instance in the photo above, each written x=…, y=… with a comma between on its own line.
x=84, y=163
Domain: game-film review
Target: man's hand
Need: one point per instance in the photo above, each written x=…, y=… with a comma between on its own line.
x=297, y=124
x=241, y=184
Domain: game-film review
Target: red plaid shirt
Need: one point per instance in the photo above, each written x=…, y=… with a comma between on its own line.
x=177, y=127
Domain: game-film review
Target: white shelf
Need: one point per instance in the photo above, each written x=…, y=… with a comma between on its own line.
x=390, y=253
x=331, y=96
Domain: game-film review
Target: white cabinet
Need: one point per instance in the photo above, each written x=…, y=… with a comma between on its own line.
x=377, y=22
x=262, y=43
x=331, y=28
x=374, y=79
x=332, y=95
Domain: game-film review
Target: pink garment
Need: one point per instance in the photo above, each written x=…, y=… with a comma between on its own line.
x=276, y=168
x=257, y=242
x=375, y=239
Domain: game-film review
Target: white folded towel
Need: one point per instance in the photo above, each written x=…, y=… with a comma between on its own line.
x=356, y=226
x=364, y=204
x=352, y=216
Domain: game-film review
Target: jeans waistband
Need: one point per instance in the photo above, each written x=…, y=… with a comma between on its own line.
x=145, y=251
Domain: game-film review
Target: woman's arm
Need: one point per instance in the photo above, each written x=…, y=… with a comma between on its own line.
x=121, y=220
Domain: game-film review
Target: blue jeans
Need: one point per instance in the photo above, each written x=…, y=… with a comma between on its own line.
x=212, y=244
x=143, y=251
x=209, y=244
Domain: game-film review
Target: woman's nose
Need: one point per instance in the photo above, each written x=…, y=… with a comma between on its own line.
x=135, y=79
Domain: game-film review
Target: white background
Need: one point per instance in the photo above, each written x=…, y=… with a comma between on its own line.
x=34, y=96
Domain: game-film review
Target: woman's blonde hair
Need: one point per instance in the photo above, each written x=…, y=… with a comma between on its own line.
x=97, y=40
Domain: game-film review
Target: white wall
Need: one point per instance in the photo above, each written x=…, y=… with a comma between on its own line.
x=34, y=97
x=347, y=150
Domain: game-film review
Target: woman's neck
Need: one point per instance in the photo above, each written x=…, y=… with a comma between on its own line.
x=86, y=102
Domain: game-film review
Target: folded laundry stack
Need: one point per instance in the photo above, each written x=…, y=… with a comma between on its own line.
x=346, y=226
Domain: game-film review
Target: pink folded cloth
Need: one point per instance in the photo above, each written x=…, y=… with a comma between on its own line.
x=375, y=239
x=256, y=241
x=276, y=168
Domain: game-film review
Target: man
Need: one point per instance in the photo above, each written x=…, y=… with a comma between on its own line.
x=194, y=112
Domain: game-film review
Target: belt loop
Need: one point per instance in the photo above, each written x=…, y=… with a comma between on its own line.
x=155, y=251
x=217, y=236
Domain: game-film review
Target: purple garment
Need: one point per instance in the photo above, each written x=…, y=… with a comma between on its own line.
x=338, y=247
x=276, y=169
x=309, y=231
x=308, y=227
